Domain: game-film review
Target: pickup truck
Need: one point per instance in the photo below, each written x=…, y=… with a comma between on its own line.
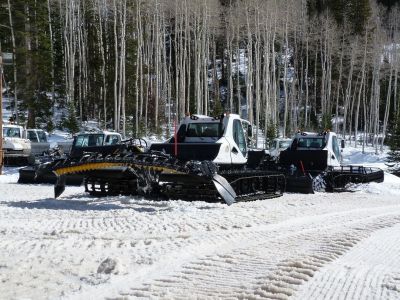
x=39, y=143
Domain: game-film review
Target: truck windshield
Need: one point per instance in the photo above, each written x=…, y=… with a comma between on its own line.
x=315, y=143
x=11, y=132
x=204, y=130
x=89, y=140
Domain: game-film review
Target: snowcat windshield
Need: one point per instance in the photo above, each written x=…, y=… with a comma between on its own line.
x=11, y=132
x=89, y=140
x=284, y=144
x=314, y=143
x=204, y=130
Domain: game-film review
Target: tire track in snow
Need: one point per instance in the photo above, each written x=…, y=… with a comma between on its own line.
x=368, y=271
x=213, y=274
x=73, y=241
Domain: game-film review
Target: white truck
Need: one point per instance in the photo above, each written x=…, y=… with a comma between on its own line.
x=39, y=143
x=17, y=148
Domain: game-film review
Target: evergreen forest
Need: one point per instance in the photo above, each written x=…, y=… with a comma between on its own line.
x=137, y=66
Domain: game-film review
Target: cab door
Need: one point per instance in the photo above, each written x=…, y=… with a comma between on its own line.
x=239, y=147
x=336, y=158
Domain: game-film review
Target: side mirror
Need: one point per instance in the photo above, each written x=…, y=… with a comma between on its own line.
x=250, y=131
x=342, y=144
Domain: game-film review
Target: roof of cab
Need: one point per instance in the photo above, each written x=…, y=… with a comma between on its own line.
x=12, y=126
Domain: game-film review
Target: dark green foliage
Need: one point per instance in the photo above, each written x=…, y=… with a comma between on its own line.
x=228, y=2
x=71, y=122
x=50, y=126
x=272, y=133
x=33, y=55
x=326, y=122
x=389, y=3
x=218, y=109
x=394, y=142
x=314, y=122
x=355, y=12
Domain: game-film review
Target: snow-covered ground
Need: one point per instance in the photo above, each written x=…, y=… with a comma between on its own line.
x=321, y=246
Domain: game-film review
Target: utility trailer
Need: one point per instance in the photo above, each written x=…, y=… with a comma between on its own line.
x=313, y=163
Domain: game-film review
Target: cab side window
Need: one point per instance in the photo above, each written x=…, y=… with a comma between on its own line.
x=239, y=137
x=112, y=139
x=335, y=146
x=32, y=136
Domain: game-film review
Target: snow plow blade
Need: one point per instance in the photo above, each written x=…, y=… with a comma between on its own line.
x=59, y=187
x=27, y=175
x=224, y=189
x=44, y=174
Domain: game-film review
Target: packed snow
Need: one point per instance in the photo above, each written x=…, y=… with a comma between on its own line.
x=319, y=246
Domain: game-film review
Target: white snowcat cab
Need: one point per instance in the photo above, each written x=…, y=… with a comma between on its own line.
x=316, y=145
x=318, y=157
x=222, y=140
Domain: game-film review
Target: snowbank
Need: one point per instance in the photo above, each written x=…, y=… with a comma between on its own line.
x=301, y=246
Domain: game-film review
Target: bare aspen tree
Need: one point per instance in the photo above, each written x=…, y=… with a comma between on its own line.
x=53, y=93
x=14, y=52
x=348, y=88
x=285, y=56
x=238, y=63
x=123, y=67
x=339, y=82
x=116, y=55
x=391, y=49
x=229, y=43
x=362, y=83
x=249, y=74
x=257, y=62
x=103, y=92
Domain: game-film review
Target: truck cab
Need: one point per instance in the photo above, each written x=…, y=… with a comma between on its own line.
x=16, y=148
x=38, y=138
x=223, y=139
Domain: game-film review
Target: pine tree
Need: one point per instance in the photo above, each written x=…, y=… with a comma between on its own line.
x=71, y=123
x=272, y=133
x=394, y=143
x=358, y=12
